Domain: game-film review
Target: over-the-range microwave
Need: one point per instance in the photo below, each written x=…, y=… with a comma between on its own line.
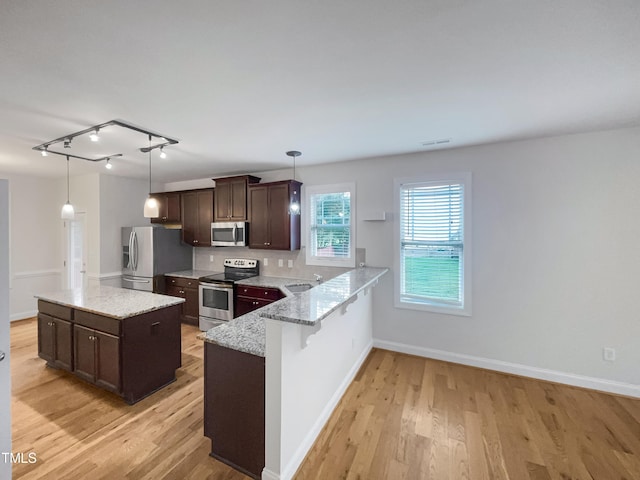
x=229, y=234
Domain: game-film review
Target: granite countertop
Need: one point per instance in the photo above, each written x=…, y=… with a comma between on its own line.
x=193, y=274
x=247, y=333
x=119, y=303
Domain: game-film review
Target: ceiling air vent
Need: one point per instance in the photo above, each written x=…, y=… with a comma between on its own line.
x=433, y=143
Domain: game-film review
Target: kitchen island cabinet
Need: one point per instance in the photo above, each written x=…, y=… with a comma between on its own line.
x=124, y=341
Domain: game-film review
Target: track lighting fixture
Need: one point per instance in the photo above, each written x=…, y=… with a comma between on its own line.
x=162, y=153
x=44, y=152
x=108, y=166
x=67, y=142
x=294, y=206
x=94, y=135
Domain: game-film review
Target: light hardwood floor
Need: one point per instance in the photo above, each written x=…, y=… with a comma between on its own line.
x=403, y=417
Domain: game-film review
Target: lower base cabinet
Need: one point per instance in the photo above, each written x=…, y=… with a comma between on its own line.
x=133, y=357
x=234, y=408
x=186, y=288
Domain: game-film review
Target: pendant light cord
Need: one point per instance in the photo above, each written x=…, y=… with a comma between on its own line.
x=67, y=178
x=149, y=164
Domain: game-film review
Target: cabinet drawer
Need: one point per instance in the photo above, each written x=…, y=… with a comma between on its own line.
x=55, y=310
x=181, y=282
x=98, y=322
x=259, y=292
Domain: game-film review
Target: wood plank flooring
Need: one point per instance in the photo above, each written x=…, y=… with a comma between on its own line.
x=81, y=432
x=407, y=417
x=403, y=417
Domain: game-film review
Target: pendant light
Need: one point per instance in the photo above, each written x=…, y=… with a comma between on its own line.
x=294, y=206
x=67, y=209
x=151, y=208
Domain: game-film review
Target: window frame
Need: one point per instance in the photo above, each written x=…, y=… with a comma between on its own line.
x=464, y=179
x=309, y=192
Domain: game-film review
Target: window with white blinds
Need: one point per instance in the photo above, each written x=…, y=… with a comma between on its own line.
x=331, y=225
x=432, y=257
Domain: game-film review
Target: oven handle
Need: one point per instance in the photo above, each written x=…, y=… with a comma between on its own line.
x=216, y=286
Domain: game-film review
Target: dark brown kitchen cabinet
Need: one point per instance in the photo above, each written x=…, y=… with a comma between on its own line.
x=186, y=288
x=197, y=215
x=55, y=339
x=250, y=298
x=231, y=198
x=97, y=357
x=271, y=225
x=234, y=408
x=169, y=208
x=133, y=356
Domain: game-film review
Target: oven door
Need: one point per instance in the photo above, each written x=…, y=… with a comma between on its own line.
x=216, y=301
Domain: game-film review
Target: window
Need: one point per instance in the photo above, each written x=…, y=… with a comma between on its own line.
x=433, y=254
x=331, y=225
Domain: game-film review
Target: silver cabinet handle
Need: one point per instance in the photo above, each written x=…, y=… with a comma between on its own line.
x=1, y=355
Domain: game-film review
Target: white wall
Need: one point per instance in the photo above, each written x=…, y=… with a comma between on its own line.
x=555, y=267
x=5, y=371
x=35, y=240
x=121, y=205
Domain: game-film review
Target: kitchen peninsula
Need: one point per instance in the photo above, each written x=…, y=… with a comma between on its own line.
x=121, y=340
x=274, y=375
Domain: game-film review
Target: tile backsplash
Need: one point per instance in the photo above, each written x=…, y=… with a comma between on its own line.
x=212, y=259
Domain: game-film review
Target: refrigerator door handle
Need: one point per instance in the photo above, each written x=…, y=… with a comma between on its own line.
x=125, y=279
x=135, y=251
x=130, y=265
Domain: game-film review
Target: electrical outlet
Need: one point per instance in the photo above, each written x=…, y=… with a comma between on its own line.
x=280, y=262
x=290, y=263
x=265, y=262
x=609, y=354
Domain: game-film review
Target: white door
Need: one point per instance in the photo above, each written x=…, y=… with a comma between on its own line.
x=5, y=373
x=76, y=252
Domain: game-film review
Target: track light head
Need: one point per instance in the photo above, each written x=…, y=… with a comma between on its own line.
x=67, y=142
x=94, y=135
x=108, y=166
x=162, y=153
x=44, y=152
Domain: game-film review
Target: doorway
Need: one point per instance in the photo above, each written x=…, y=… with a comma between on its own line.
x=76, y=252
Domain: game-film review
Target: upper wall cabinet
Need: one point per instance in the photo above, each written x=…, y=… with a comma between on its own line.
x=231, y=198
x=169, y=207
x=271, y=226
x=197, y=215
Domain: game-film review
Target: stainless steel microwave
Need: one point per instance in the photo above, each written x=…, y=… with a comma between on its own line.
x=229, y=234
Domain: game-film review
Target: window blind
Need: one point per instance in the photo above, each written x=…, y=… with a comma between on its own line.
x=431, y=243
x=331, y=225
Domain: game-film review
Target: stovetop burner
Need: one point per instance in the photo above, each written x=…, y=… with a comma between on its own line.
x=235, y=269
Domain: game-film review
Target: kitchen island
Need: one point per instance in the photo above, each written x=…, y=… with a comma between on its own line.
x=124, y=341
x=274, y=375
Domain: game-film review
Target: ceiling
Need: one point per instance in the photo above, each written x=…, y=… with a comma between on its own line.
x=239, y=83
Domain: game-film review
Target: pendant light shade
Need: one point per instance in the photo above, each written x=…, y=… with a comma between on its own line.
x=68, y=212
x=151, y=207
x=294, y=206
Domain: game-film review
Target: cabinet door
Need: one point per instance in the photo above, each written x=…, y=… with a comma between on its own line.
x=45, y=337
x=173, y=207
x=259, y=217
x=222, y=201
x=84, y=341
x=279, y=225
x=162, y=209
x=189, y=218
x=107, y=361
x=238, y=199
x=63, y=348
x=191, y=307
x=205, y=217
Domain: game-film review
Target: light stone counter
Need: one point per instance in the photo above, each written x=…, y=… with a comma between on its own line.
x=193, y=274
x=247, y=333
x=119, y=303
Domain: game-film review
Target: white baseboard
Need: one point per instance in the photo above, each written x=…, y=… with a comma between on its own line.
x=573, y=379
x=268, y=474
x=22, y=315
x=290, y=469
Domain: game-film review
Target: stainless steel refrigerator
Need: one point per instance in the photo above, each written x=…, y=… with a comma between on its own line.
x=150, y=251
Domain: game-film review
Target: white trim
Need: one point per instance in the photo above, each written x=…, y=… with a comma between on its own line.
x=601, y=384
x=23, y=315
x=310, y=190
x=36, y=273
x=464, y=178
x=306, y=444
x=269, y=475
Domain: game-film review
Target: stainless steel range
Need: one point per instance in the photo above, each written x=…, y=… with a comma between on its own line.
x=216, y=291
